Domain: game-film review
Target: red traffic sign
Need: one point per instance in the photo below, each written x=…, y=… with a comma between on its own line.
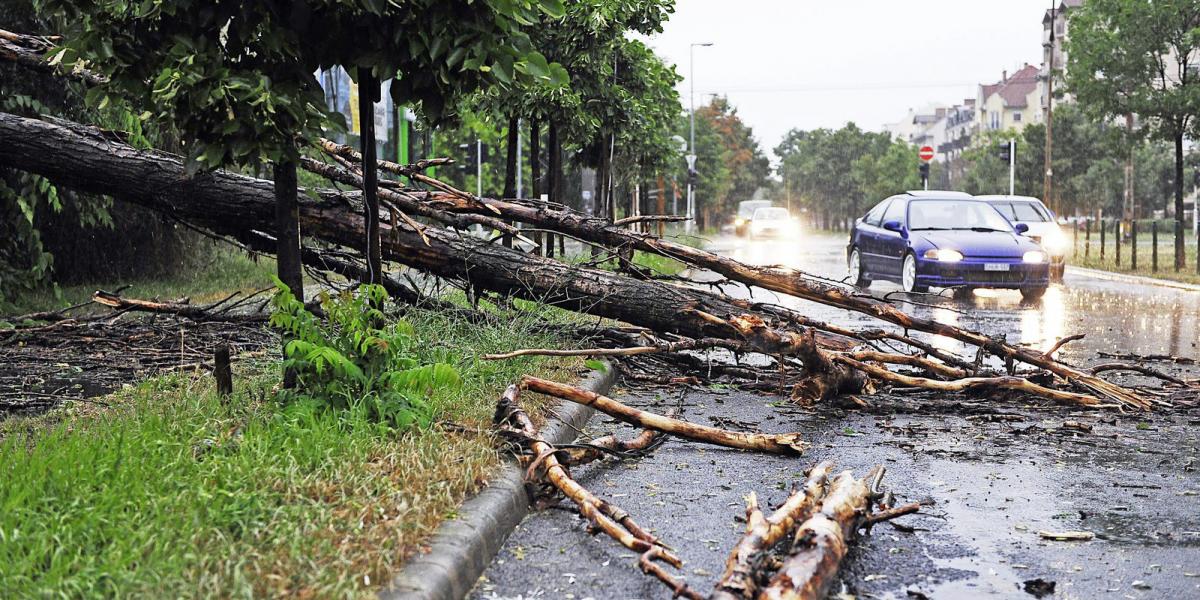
x=926, y=153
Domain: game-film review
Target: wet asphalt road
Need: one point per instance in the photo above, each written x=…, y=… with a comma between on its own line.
x=994, y=473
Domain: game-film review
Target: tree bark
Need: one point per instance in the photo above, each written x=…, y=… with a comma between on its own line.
x=79, y=157
x=554, y=179
x=535, y=169
x=763, y=533
x=510, y=159
x=287, y=235
x=367, y=88
x=226, y=203
x=775, y=443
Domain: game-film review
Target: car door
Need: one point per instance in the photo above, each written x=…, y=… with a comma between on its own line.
x=892, y=244
x=868, y=237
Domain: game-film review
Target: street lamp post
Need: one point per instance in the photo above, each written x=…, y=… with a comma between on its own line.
x=691, y=196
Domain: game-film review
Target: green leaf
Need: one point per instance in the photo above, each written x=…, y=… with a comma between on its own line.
x=596, y=365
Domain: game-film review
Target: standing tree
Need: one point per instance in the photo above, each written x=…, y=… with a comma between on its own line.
x=238, y=79
x=1140, y=57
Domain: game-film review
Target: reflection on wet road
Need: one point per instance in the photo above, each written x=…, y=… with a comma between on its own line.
x=1116, y=316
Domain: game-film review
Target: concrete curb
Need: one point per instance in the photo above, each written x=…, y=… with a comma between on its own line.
x=463, y=547
x=1122, y=277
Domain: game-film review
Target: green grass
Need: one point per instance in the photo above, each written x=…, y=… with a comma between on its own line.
x=125, y=500
x=657, y=263
x=227, y=270
x=1090, y=258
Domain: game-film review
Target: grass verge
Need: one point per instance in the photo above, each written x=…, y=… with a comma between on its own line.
x=226, y=271
x=170, y=492
x=1083, y=256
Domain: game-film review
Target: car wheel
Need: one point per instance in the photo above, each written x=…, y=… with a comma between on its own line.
x=854, y=266
x=1033, y=293
x=963, y=292
x=908, y=275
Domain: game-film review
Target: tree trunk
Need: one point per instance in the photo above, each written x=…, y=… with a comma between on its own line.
x=554, y=179
x=84, y=158
x=227, y=203
x=367, y=88
x=287, y=236
x=535, y=169
x=511, y=166
x=1180, y=255
x=510, y=160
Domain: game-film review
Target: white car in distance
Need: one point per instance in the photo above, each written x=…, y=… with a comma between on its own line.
x=773, y=221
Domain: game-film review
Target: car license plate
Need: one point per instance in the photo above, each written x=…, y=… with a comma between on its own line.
x=995, y=266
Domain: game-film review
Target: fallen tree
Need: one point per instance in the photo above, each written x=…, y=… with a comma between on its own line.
x=242, y=208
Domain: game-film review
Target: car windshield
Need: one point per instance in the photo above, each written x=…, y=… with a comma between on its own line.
x=771, y=214
x=955, y=214
x=1026, y=212
x=746, y=209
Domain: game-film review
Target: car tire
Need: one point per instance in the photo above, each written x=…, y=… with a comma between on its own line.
x=908, y=275
x=854, y=268
x=1033, y=293
x=963, y=292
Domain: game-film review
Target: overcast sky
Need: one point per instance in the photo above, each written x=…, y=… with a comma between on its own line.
x=809, y=64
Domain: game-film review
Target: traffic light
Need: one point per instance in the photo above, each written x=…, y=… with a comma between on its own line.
x=693, y=177
x=483, y=153
x=923, y=168
x=1004, y=150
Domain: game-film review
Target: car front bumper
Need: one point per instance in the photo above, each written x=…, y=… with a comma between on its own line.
x=974, y=272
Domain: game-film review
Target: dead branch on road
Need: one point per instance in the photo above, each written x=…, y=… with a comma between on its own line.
x=603, y=515
x=785, y=443
x=821, y=542
x=763, y=533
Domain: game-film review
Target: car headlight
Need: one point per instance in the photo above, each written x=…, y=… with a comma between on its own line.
x=1034, y=256
x=943, y=255
x=1055, y=242
x=739, y=221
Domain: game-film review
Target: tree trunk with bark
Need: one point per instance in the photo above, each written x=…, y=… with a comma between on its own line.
x=367, y=90
x=510, y=165
x=535, y=169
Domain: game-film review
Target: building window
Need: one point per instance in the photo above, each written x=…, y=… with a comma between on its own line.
x=995, y=120
x=1016, y=117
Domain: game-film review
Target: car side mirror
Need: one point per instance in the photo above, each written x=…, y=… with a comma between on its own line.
x=893, y=226
x=1021, y=228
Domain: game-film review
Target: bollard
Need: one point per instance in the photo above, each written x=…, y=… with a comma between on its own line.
x=1103, y=233
x=1087, y=238
x=1154, y=246
x=1117, y=241
x=1133, y=244
x=223, y=372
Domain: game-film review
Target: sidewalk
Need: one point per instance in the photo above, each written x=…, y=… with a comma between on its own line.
x=1127, y=278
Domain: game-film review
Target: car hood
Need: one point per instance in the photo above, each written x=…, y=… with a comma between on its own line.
x=1040, y=228
x=1005, y=244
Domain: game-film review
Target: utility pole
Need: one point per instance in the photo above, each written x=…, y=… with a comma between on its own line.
x=1048, y=183
x=691, y=197
x=1012, y=167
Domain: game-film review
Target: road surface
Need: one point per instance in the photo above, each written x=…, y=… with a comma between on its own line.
x=994, y=474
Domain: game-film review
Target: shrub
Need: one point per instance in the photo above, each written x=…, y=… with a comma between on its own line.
x=358, y=359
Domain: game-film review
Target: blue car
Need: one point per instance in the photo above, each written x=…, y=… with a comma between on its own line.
x=944, y=239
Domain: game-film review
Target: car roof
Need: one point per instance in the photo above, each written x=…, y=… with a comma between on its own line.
x=1005, y=197
x=935, y=195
